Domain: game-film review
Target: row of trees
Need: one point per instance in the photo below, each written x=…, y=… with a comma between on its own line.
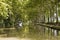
x=49, y=10
x=28, y=11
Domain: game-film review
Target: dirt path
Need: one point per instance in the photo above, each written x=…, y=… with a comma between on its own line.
x=13, y=38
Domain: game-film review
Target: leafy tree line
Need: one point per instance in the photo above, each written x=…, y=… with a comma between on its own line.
x=28, y=11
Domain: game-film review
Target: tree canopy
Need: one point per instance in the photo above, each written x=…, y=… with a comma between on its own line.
x=26, y=10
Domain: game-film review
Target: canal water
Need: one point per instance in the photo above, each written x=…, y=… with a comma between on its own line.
x=35, y=33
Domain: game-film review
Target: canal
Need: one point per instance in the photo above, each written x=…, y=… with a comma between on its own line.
x=37, y=32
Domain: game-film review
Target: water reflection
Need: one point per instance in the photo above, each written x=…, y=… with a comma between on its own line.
x=36, y=32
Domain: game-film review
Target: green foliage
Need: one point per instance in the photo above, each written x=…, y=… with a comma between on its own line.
x=4, y=10
x=26, y=10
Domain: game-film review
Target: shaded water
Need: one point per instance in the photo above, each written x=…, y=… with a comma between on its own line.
x=38, y=33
